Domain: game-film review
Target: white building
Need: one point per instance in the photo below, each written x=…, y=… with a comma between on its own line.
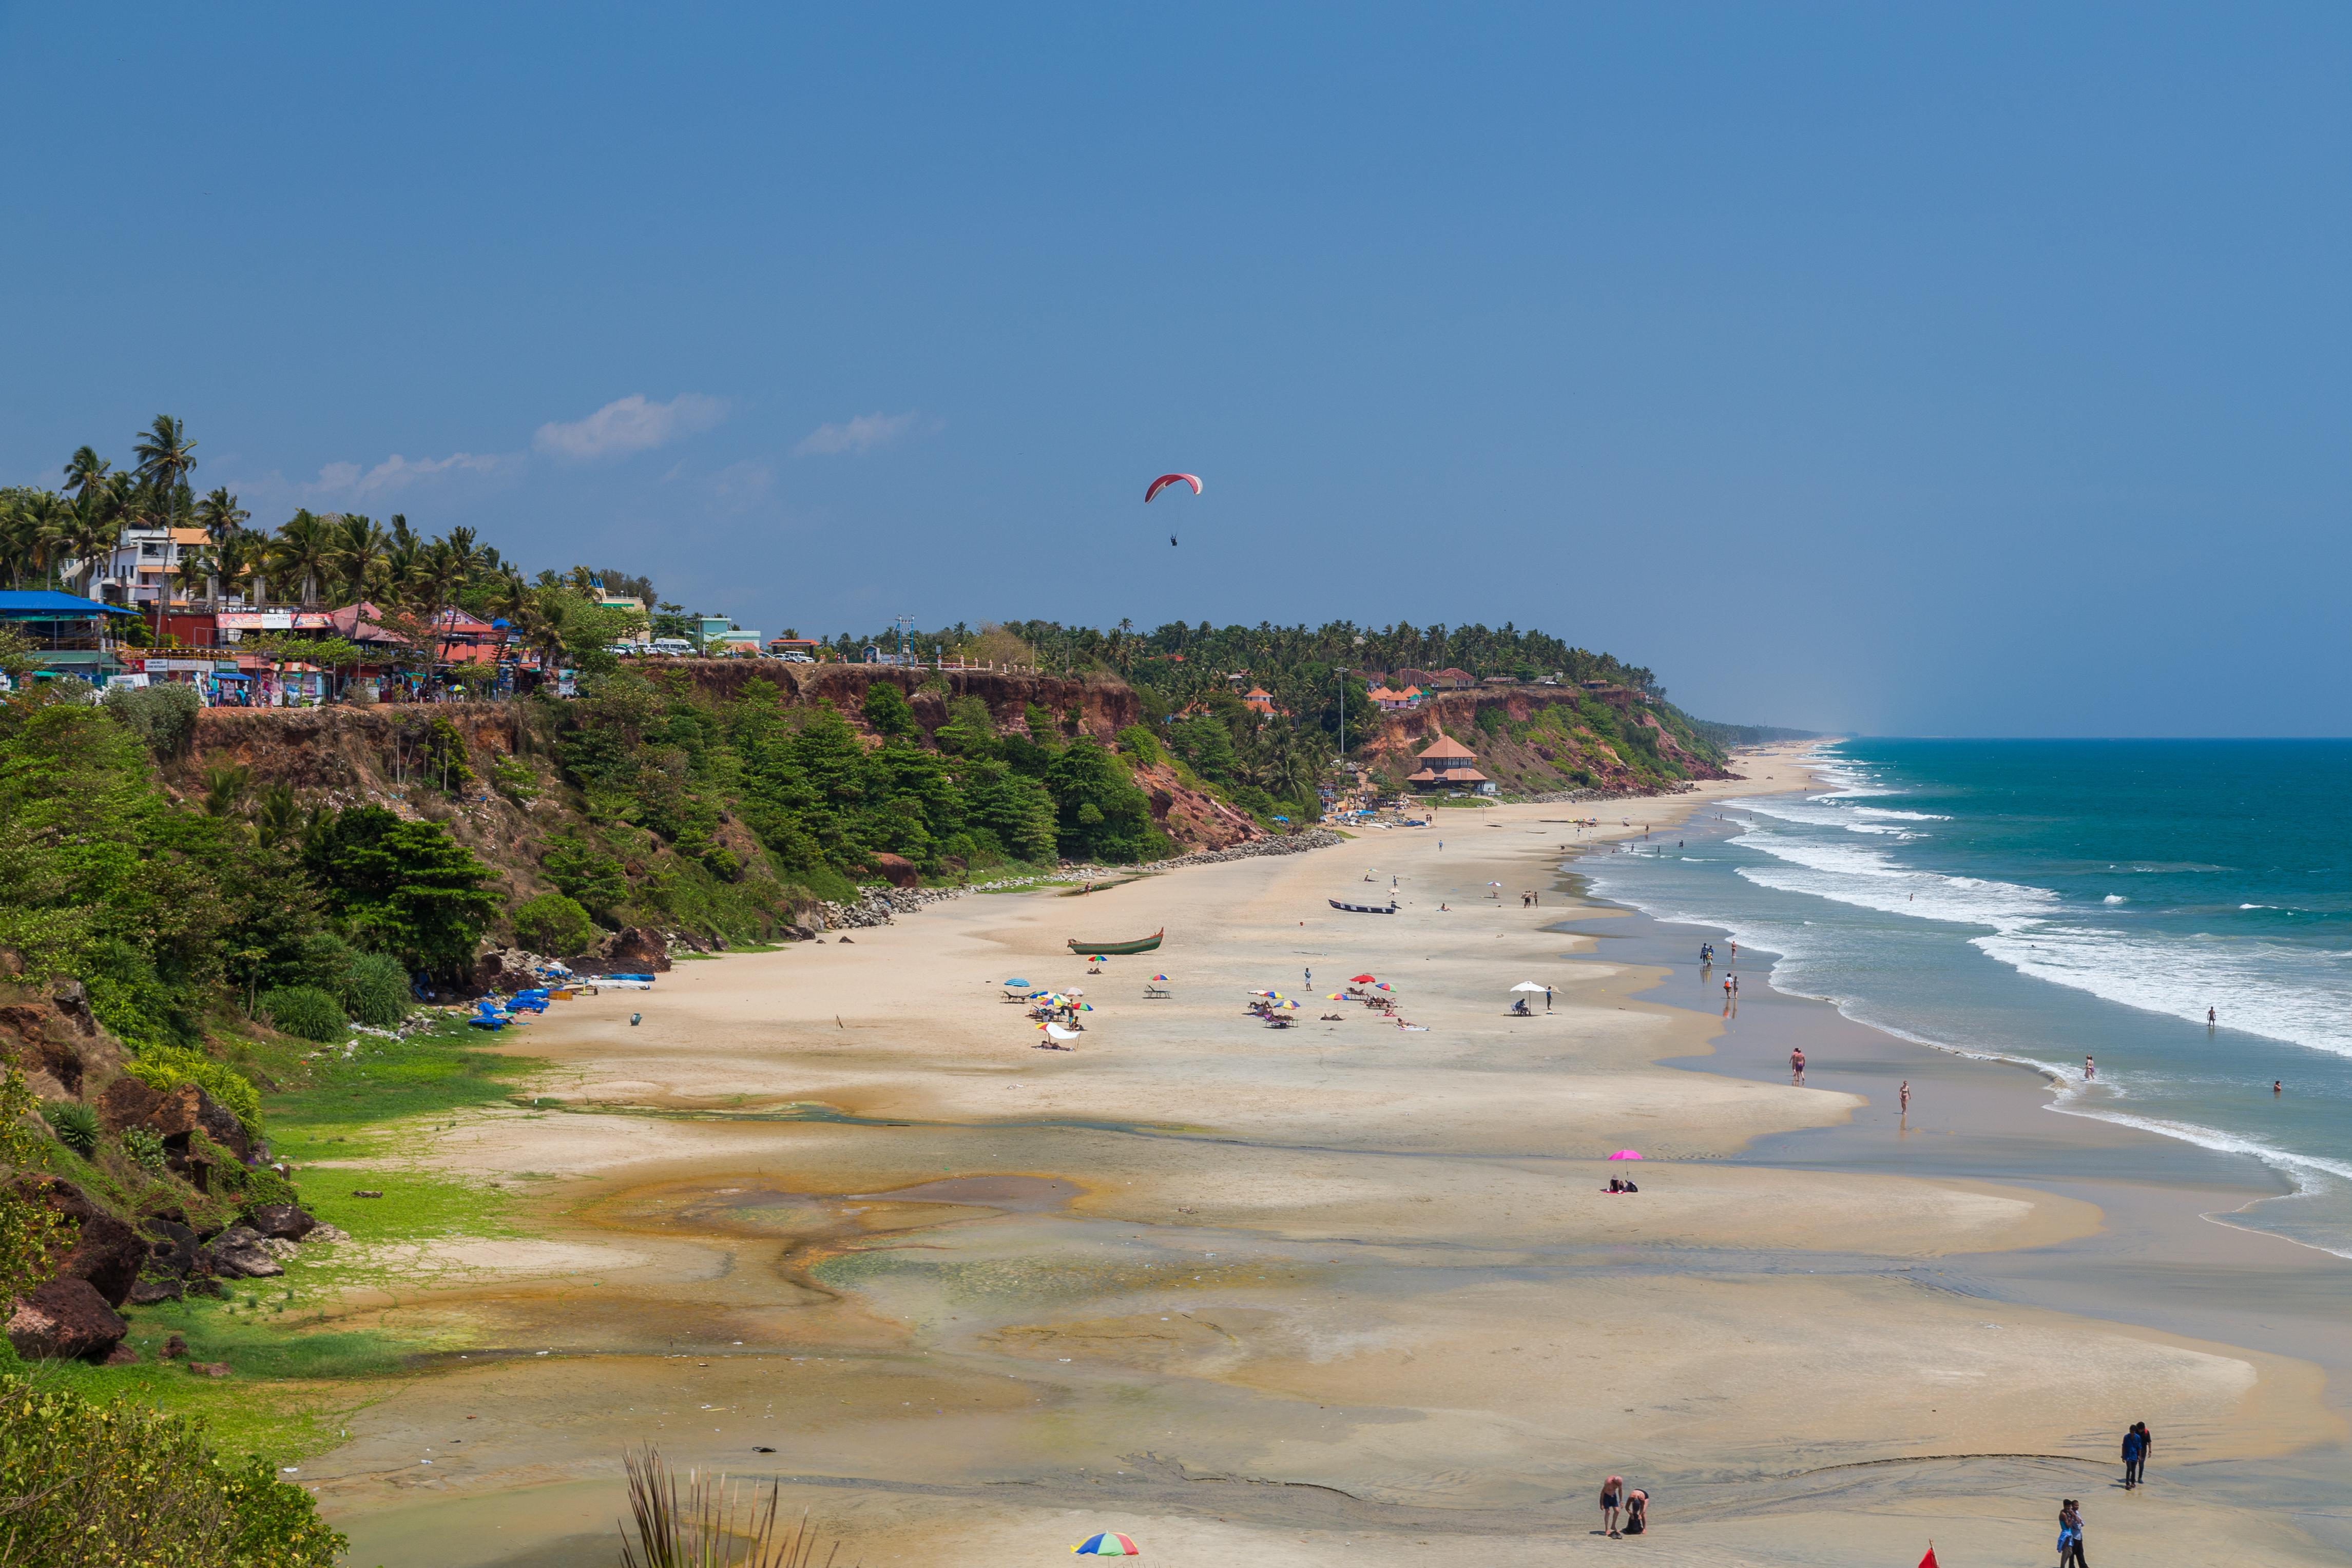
x=135, y=572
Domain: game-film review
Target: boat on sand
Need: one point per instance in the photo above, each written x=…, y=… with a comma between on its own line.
x=1108, y=949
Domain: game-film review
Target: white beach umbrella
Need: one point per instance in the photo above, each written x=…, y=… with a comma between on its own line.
x=1529, y=986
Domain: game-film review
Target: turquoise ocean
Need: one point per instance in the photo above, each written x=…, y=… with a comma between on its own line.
x=2038, y=902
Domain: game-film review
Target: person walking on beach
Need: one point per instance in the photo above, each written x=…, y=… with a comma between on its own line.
x=1902, y=1097
x=2135, y=1456
x=1735, y=985
x=1612, y=1497
x=1796, y=1065
x=1726, y=990
x=2069, y=1535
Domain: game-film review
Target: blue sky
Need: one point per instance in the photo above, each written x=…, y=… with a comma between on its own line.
x=1910, y=369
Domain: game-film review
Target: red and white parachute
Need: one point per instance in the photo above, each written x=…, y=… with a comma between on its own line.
x=1167, y=479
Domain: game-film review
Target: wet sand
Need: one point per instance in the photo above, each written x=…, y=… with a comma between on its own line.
x=1339, y=1291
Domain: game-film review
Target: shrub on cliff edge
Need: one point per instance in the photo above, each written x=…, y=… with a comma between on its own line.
x=83, y=1484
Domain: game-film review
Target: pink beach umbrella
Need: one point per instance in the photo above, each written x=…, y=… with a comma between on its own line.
x=1626, y=1155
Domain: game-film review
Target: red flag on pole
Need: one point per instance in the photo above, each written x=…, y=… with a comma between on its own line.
x=1929, y=1561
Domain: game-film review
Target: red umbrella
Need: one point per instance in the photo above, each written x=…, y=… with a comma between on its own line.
x=1361, y=980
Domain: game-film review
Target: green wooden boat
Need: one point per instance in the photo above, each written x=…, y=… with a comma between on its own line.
x=1107, y=949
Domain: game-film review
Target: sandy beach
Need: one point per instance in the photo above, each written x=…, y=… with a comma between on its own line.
x=1344, y=1291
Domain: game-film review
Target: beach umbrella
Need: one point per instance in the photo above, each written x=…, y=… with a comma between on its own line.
x=1019, y=982
x=1529, y=986
x=1336, y=996
x=1626, y=1155
x=1361, y=980
x=1158, y=977
x=1110, y=1544
x=1056, y=1031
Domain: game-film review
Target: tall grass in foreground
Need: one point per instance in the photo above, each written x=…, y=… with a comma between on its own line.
x=709, y=1523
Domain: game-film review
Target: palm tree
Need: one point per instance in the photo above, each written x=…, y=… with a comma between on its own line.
x=237, y=560
x=84, y=470
x=45, y=512
x=165, y=458
x=302, y=555
x=86, y=532
x=441, y=573
x=360, y=546
x=219, y=515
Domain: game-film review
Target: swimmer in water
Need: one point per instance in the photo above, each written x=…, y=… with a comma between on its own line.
x=2277, y=1084
x=2090, y=1068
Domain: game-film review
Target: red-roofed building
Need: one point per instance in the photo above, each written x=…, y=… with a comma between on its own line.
x=1447, y=764
x=1451, y=680
x=458, y=638
x=1259, y=700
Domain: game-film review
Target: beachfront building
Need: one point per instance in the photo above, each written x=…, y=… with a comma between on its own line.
x=1389, y=700
x=139, y=570
x=642, y=637
x=70, y=635
x=1447, y=764
x=1451, y=680
x=1259, y=701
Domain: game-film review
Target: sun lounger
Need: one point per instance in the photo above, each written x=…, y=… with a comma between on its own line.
x=1156, y=991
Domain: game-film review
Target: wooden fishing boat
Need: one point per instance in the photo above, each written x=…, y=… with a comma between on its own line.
x=1388, y=908
x=1140, y=944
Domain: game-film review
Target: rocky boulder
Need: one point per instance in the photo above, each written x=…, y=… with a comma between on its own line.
x=65, y=1320
x=895, y=869
x=239, y=1253
x=281, y=1221
x=103, y=1250
x=187, y=1108
x=632, y=950
x=173, y=1248
x=128, y=1102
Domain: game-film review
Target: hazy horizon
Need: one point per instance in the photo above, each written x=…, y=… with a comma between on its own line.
x=1886, y=372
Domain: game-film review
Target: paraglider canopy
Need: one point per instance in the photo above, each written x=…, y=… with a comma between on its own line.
x=1167, y=479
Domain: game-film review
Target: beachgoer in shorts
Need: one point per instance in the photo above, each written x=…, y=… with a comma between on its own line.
x=1637, y=1511
x=1612, y=1497
x=2089, y=1068
x=1796, y=1065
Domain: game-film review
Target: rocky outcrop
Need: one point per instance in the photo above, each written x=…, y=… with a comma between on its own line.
x=65, y=1320
x=180, y=1113
x=102, y=1251
x=895, y=869
x=240, y=1252
x=280, y=1221
x=632, y=950
x=50, y=1032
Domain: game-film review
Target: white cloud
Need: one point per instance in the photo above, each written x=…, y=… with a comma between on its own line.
x=630, y=424
x=398, y=473
x=859, y=436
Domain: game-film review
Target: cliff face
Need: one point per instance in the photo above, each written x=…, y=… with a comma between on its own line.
x=386, y=756
x=1105, y=707
x=1534, y=739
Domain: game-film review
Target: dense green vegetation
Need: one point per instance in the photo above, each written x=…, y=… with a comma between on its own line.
x=658, y=763
x=1193, y=679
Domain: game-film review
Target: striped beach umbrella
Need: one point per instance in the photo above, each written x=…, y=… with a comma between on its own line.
x=1109, y=1543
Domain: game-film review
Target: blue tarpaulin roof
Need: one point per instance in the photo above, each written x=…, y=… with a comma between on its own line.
x=47, y=605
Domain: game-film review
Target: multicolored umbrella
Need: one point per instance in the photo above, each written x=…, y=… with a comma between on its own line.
x=1158, y=977
x=1336, y=997
x=1110, y=1544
